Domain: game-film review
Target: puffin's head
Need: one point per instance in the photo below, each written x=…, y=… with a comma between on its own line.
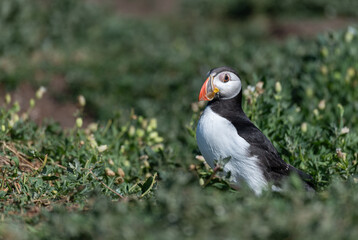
x=223, y=82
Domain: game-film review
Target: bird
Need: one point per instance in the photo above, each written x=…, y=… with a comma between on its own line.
x=225, y=132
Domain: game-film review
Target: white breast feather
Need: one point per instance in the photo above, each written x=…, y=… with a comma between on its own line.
x=217, y=139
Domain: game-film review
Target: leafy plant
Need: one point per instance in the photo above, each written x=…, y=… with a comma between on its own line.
x=130, y=176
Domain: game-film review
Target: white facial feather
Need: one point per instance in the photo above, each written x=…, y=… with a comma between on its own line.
x=228, y=89
x=217, y=139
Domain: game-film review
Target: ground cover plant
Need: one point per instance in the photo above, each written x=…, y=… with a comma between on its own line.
x=135, y=171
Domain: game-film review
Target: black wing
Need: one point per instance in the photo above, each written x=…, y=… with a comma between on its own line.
x=274, y=168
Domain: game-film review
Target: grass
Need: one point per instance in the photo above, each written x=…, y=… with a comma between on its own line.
x=135, y=174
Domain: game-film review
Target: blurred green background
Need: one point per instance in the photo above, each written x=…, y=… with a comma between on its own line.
x=151, y=58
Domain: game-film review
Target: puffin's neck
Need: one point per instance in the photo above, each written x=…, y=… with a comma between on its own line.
x=232, y=105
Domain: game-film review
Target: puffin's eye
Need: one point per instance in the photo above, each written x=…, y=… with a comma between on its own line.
x=225, y=77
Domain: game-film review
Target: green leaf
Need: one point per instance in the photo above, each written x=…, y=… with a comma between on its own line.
x=148, y=185
x=225, y=160
x=49, y=178
x=2, y=194
x=16, y=160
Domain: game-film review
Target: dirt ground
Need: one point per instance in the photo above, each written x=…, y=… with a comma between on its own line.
x=308, y=27
x=48, y=107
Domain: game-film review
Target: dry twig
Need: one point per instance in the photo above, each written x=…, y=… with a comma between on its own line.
x=105, y=185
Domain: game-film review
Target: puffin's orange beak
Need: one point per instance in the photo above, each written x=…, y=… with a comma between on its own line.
x=208, y=90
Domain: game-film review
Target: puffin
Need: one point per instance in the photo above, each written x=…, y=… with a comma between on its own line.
x=225, y=132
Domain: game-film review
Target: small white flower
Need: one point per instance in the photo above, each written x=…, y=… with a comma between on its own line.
x=92, y=127
x=92, y=141
x=131, y=131
x=355, y=180
x=260, y=85
x=79, y=122
x=15, y=117
x=350, y=72
x=102, y=148
x=344, y=130
x=304, y=127
x=322, y=104
x=200, y=158
x=153, y=123
x=324, y=51
x=153, y=135
x=40, y=92
x=351, y=32
x=246, y=92
x=340, y=154
x=324, y=70
x=81, y=100
x=8, y=98
x=11, y=123
x=251, y=88
x=32, y=103
x=278, y=87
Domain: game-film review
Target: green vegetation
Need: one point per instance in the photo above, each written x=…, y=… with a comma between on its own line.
x=134, y=173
